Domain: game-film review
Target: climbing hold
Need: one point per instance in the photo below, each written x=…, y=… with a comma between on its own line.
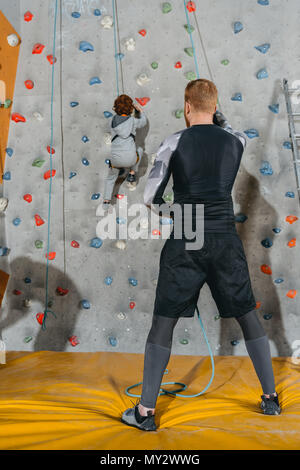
x=38, y=162
x=107, y=114
x=27, y=197
x=142, y=79
x=276, y=230
x=290, y=194
x=154, y=65
x=189, y=28
x=17, y=221
x=76, y=14
x=119, y=196
x=268, y=316
x=113, y=341
x=234, y=342
x=107, y=138
x=73, y=104
x=184, y=341
x=130, y=44
x=7, y=103
x=263, y=48
x=27, y=339
x=191, y=6
x=217, y=317
x=143, y=101
x=62, y=292
x=292, y=243
x=47, y=174
x=179, y=113
x=13, y=40
x=50, y=149
x=132, y=281
x=291, y=293
x=38, y=48
x=3, y=251
x=85, y=46
x=120, y=244
x=274, y=108
x=85, y=161
x=3, y=204
x=121, y=316
x=38, y=244
x=85, y=304
x=279, y=280
x=287, y=145
x=38, y=116
x=73, y=340
x=266, y=269
x=7, y=176
x=96, y=242
x=155, y=232
x=120, y=220
x=225, y=62
x=28, y=16
x=72, y=174
x=94, y=81
x=107, y=22
x=27, y=303
x=168, y=197
x=166, y=7
x=97, y=12
x=85, y=139
x=108, y=280
x=178, y=65
x=75, y=244
x=51, y=255
x=131, y=305
x=252, y=133
x=263, y=2
x=29, y=84
x=189, y=51
x=238, y=27
x=40, y=317
x=291, y=219
x=142, y=32
x=266, y=168
x=51, y=59
x=237, y=97
x=267, y=243
x=262, y=73
x=9, y=151
x=18, y=117
x=119, y=56
x=17, y=292
x=190, y=75
x=38, y=220
x=95, y=196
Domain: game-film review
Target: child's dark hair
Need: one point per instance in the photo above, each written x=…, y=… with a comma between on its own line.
x=123, y=105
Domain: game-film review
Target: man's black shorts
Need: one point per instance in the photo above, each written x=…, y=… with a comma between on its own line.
x=221, y=263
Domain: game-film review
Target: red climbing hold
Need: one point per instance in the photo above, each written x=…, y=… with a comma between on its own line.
x=38, y=48
x=47, y=174
x=143, y=101
x=132, y=305
x=51, y=59
x=155, y=232
x=51, y=255
x=29, y=84
x=119, y=196
x=75, y=244
x=17, y=292
x=291, y=219
x=73, y=340
x=50, y=149
x=292, y=242
x=40, y=317
x=142, y=32
x=266, y=269
x=27, y=197
x=178, y=65
x=28, y=16
x=291, y=293
x=38, y=220
x=18, y=117
x=191, y=6
x=61, y=291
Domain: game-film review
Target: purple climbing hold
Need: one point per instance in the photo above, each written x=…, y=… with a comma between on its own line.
x=263, y=48
x=95, y=80
x=237, y=27
x=261, y=74
x=251, y=133
x=274, y=108
x=266, y=168
x=85, y=46
x=237, y=97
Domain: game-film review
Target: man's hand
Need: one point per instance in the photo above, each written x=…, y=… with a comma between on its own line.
x=137, y=107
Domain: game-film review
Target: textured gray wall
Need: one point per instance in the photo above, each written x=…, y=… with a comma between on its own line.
x=73, y=216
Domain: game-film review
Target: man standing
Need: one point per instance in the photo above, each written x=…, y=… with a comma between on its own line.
x=203, y=160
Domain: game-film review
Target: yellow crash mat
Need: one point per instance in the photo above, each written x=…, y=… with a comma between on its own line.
x=65, y=400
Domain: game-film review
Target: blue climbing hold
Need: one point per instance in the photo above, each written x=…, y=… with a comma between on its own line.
x=108, y=280
x=73, y=104
x=262, y=73
x=119, y=56
x=85, y=304
x=3, y=250
x=120, y=220
x=72, y=174
x=267, y=243
x=85, y=161
x=287, y=145
x=268, y=316
x=263, y=48
x=266, y=168
x=97, y=12
x=95, y=80
x=279, y=280
x=274, y=108
x=235, y=342
x=7, y=176
x=76, y=14
x=96, y=242
x=27, y=280
x=290, y=194
x=276, y=230
x=95, y=196
x=107, y=114
x=237, y=27
x=85, y=46
x=263, y=2
x=9, y=151
x=85, y=139
x=251, y=133
x=17, y=221
x=113, y=341
x=240, y=218
x=132, y=281
x=237, y=97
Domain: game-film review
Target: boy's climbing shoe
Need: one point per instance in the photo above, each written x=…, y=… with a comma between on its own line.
x=133, y=418
x=131, y=178
x=270, y=406
x=121, y=171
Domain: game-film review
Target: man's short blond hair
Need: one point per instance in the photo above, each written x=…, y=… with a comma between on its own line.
x=202, y=95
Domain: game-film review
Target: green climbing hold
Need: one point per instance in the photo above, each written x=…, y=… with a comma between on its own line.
x=189, y=51
x=38, y=244
x=190, y=75
x=168, y=197
x=189, y=28
x=27, y=339
x=179, y=113
x=217, y=317
x=154, y=65
x=7, y=103
x=38, y=162
x=225, y=62
x=166, y=7
x=184, y=341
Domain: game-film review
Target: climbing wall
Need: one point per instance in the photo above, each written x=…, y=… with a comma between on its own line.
x=99, y=294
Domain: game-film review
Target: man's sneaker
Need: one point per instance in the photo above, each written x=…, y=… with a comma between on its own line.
x=132, y=417
x=131, y=178
x=270, y=406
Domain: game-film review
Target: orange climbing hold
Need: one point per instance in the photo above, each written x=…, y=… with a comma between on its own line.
x=29, y=84
x=18, y=117
x=38, y=220
x=27, y=197
x=258, y=305
x=266, y=269
x=291, y=219
x=47, y=174
x=142, y=32
x=28, y=16
x=291, y=293
x=191, y=6
x=51, y=59
x=143, y=101
x=292, y=242
x=52, y=150
x=38, y=48
x=40, y=317
x=51, y=255
x=178, y=65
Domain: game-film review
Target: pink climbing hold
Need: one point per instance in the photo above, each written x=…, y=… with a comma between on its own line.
x=51, y=255
x=143, y=101
x=38, y=220
x=142, y=32
x=178, y=65
x=28, y=16
x=62, y=292
x=18, y=117
x=27, y=197
x=29, y=84
x=75, y=244
x=38, y=48
x=40, y=317
x=191, y=6
x=47, y=174
x=52, y=150
x=51, y=59
x=73, y=340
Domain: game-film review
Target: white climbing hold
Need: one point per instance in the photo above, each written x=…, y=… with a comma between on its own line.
x=27, y=303
x=121, y=316
x=107, y=138
x=38, y=116
x=154, y=282
x=121, y=245
x=130, y=44
x=3, y=203
x=107, y=22
x=13, y=40
x=143, y=79
x=131, y=186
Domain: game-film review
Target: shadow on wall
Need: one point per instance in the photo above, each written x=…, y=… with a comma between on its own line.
x=253, y=204
x=59, y=329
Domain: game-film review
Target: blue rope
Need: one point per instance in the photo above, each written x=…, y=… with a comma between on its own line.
x=50, y=182
x=191, y=38
x=115, y=45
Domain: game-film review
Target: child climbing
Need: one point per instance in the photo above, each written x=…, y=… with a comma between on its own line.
x=124, y=154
